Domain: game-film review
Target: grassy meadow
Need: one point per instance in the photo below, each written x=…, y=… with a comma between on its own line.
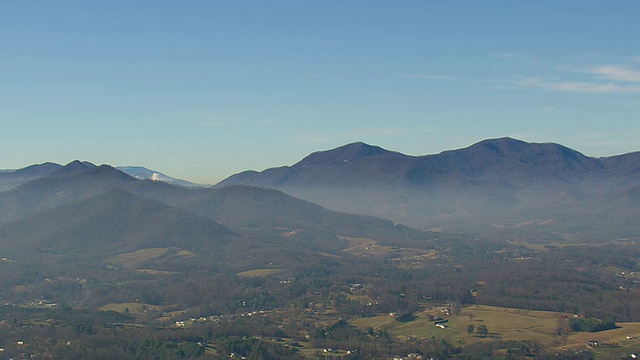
x=507, y=324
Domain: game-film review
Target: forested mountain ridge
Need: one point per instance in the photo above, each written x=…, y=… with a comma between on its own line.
x=65, y=184
x=82, y=220
x=12, y=178
x=238, y=206
x=89, y=253
x=496, y=183
x=109, y=224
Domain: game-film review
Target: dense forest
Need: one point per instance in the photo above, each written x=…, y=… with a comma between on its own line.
x=96, y=264
x=308, y=298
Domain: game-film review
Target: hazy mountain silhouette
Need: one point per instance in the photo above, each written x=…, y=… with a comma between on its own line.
x=515, y=161
x=10, y=179
x=72, y=182
x=264, y=209
x=490, y=186
x=142, y=173
x=111, y=223
x=501, y=182
x=256, y=211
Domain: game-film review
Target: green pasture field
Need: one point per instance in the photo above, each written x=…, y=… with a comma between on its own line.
x=626, y=338
x=259, y=272
x=512, y=324
x=420, y=328
x=509, y=324
x=133, y=259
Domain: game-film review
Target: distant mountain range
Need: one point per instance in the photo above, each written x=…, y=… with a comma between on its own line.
x=500, y=214
x=79, y=237
x=12, y=178
x=95, y=212
x=499, y=187
x=143, y=173
x=493, y=185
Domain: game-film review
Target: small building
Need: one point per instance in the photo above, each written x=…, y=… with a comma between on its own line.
x=592, y=343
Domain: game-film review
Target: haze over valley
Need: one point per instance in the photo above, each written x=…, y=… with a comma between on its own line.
x=504, y=184
x=319, y=180
x=342, y=236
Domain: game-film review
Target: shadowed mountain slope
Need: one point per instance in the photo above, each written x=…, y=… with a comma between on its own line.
x=254, y=209
x=515, y=161
x=111, y=223
x=359, y=178
x=12, y=179
x=66, y=184
x=353, y=165
x=267, y=209
x=494, y=182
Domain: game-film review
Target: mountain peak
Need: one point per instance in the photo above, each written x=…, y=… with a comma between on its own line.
x=142, y=173
x=34, y=171
x=82, y=169
x=346, y=153
x=513, y=148
x=501, y=145
x=80, y=164
x=507, y=157
x=75, y=167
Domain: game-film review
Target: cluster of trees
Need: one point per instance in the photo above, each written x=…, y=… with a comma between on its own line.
x=133, y=349
x=590, y=324
x=254, y=348
x=578, y=279
x=481, y=330
x=572, y=278
x=575, y=279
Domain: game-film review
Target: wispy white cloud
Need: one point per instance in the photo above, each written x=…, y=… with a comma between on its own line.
x=615, y=73
x=590, y=87
x=598, y=79
x=549, y=109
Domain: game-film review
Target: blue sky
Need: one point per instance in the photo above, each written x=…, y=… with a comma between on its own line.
x=203, y=89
